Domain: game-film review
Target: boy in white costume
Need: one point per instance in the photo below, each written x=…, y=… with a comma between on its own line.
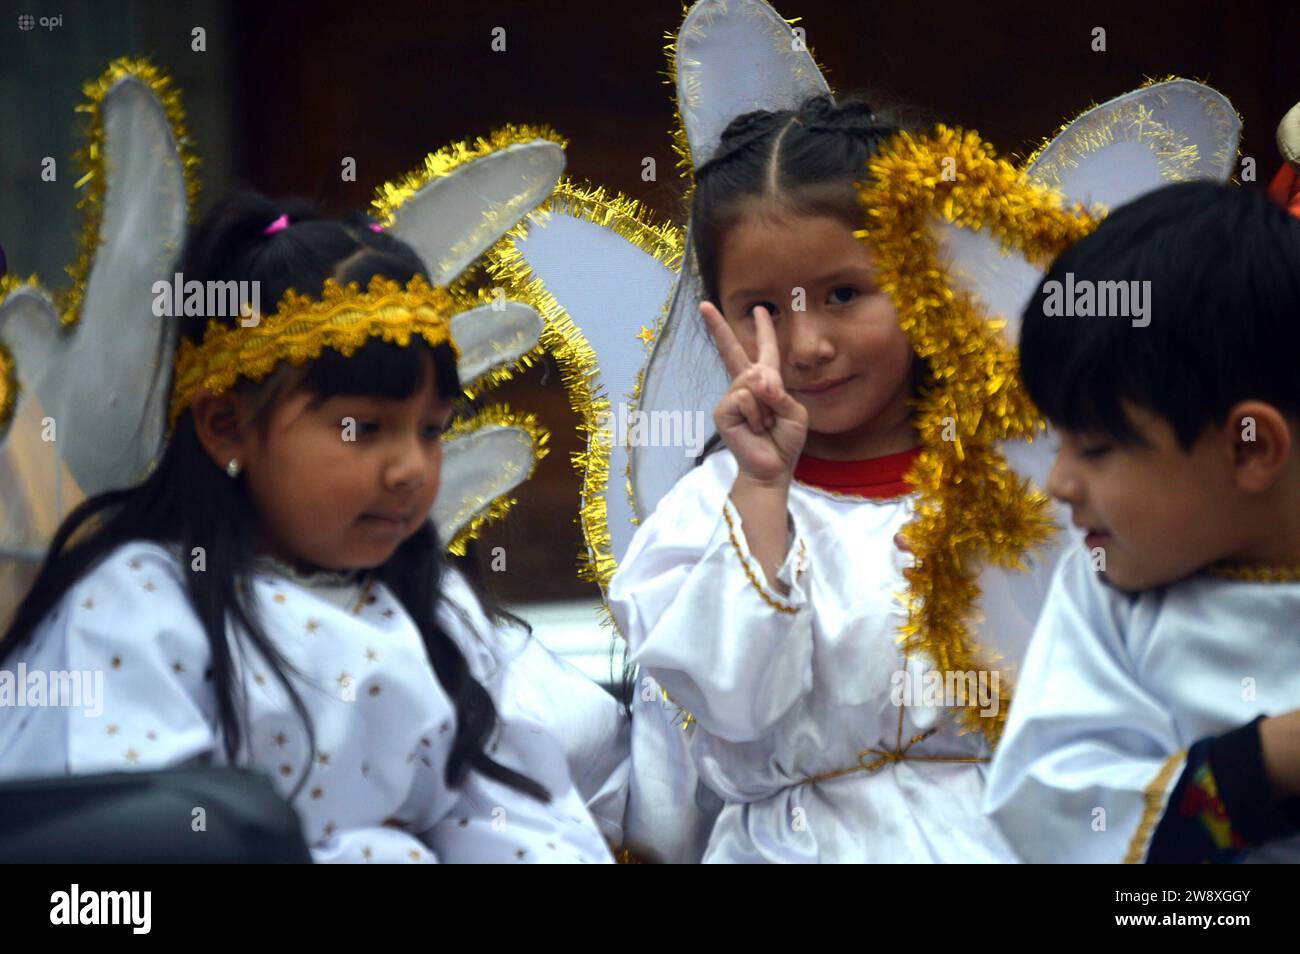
x=1155, y=718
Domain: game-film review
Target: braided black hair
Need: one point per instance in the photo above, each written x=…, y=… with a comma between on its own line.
x=803, y=161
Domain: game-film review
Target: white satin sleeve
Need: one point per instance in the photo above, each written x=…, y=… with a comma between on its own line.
x=588, y=723
x=543, y=711
x=702, y=620
x=670, y=813
x=1089, y=757
x=128, y=636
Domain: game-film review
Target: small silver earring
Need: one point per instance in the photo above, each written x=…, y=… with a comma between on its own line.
x=232, y=468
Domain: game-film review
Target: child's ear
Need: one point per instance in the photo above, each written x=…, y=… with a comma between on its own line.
x=218, y=422
x=1262, y=443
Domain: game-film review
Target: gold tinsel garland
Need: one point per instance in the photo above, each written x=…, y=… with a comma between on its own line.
x=342, y=318
x=495, y=508
x=634, y=222
x=90, y=159
x=971, y=506
x=9, y=387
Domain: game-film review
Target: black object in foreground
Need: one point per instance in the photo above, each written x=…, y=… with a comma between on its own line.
x=176, y=816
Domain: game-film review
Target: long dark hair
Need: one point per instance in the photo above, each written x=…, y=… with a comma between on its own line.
x=188, y=500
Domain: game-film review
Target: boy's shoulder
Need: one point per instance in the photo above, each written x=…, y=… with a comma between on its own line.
x=1079, y=590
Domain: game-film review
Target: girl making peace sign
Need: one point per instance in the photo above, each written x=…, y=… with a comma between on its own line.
x=762, y=594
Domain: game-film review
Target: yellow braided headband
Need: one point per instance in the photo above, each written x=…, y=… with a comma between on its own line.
x=301, y=327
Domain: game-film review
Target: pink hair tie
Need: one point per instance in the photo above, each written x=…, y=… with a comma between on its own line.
x=376, y=227
x=281, y=223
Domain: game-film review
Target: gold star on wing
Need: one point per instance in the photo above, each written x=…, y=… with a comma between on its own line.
x=323, y=758
x=371, y=655
x=281, y=739
x=112, y=730
x=133, y=756
x=646, y=335
x=90, y=603
x=312, y=626
x=148, y=585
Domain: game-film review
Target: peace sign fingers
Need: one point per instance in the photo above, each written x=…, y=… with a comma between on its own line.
x=734, y=358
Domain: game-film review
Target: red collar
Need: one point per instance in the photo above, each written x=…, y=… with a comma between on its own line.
x=875, y=477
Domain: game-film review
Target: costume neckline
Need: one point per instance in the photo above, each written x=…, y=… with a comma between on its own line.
x=316, y=578
x=1254, y=573
x=876, y=477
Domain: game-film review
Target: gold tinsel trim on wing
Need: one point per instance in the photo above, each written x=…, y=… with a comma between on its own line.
x=496, y=508
x=9, y=387
x=90, y=160
x=391, y=196
x=494, y=376
x=677, y=135
x=971, y=506
x=633, y=222
x=1132, y=123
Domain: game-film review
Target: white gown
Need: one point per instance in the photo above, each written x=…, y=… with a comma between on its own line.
x=383, y=724
x=1113, y=692
x=782, y=694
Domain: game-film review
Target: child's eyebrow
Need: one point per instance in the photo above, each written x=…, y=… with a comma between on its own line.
x=747, y=292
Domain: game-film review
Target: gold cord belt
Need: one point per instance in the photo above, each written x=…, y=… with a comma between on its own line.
x=882, y=757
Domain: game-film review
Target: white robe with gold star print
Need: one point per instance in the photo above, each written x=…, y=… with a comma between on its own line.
x=375, y=790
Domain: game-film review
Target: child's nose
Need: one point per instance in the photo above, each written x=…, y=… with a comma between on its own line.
x=1062, y=484
x=408, y=465
x=808, y=343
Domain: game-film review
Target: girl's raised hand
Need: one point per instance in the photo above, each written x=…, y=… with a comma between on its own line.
x=763, y=426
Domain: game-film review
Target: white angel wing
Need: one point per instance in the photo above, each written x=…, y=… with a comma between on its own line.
x=731, y=57
x=89, y=410
x=484, y=459
x=461, y=201
x=584, y=260
x=468, y=194
x=1164, y=132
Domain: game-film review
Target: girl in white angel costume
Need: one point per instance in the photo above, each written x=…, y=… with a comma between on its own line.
x=763, y=590
x=274, y=593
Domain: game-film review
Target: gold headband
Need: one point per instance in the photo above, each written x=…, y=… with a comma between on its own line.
x=343, y=319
